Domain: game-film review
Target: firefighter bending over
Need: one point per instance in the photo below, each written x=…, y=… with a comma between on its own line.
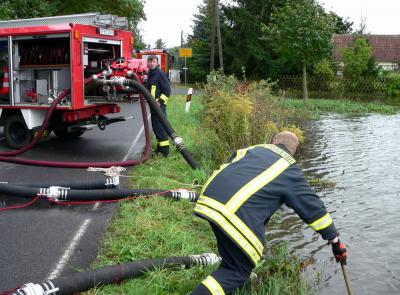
x=239, y=199
x=158, y=84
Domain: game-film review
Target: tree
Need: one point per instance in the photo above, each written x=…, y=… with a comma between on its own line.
x=342, y=25
x=245, y=45
x=133, y=10
x=19, y=9
x=362, y=29
x=199, y=41
x=139, y=42
x=359, y=59
x=160, y=44
x=303, y=33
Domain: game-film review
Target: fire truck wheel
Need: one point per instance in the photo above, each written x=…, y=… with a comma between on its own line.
x=16, y=132
x=64, y=134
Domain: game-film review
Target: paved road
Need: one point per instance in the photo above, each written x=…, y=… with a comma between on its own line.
x=44, y=240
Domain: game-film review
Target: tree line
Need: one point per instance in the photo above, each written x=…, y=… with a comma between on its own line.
x=133, y=10
x=265, y=38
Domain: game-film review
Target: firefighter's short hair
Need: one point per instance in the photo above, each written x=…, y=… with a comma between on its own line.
x=152, y=57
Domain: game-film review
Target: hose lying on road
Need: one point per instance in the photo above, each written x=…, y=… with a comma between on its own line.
x=59, y=194
x=86, y=280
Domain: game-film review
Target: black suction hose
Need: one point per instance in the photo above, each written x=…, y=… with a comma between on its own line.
x=58, y=193
x=116, y=194
x=86, y=280
x=114, y=274
x=178, y=141
x=109, y=182
x=19, y=191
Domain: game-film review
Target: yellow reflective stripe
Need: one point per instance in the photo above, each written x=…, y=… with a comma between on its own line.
x=213, y=286
x=153, y=90
x=280, y=152
x=256, y=184
x=239, y=155
x=230, y=230
x=322, y=223
x=164, y=98
x=236, y=221
x=163, y=143
x=215, y=173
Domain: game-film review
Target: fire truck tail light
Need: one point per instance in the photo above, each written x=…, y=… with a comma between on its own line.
x=77, y=34
x=132, y=40
x=72, y=117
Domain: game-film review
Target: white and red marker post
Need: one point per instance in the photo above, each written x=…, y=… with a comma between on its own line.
x=188, y=100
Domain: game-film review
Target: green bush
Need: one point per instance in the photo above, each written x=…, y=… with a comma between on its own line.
x=244, y=113
x=393, y=89
x=324, y=74
x=359, y=60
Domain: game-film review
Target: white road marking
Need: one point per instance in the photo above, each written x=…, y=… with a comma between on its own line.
x=135, y=141
x=82, y=229
x=70, y=250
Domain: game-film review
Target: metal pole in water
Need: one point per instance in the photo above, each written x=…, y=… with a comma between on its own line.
x=346, y=278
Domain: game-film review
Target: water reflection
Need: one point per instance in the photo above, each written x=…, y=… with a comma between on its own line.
x=362, y=155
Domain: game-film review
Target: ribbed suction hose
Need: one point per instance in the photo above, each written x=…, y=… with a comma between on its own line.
x=86, y=280
x=178, y=141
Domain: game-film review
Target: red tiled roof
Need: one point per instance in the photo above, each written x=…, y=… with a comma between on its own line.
x=386, y=47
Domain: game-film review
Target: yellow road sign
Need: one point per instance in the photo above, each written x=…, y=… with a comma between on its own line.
x=185, y=52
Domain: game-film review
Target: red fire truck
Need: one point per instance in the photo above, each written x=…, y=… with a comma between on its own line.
x=41, y=57
x=165, y=59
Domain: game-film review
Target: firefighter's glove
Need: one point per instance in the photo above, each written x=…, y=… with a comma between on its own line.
x=340, y=252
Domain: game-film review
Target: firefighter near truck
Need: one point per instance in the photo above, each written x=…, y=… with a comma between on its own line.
x=43, y=58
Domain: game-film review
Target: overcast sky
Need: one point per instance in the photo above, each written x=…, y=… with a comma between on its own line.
x=166, y=19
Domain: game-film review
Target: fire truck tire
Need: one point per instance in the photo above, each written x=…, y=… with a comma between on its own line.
x=16, y=132
x=64, y=134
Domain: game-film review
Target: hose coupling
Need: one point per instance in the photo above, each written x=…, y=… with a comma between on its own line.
x=56, y=193
x=36, y=289
x=119, y=81
x=112, y=182
x=183, y=194
x=205, y=259
x=178, y=142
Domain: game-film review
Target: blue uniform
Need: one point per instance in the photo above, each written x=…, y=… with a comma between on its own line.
x=158, y=84
x=239, y=199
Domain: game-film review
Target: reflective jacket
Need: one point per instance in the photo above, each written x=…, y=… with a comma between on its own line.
x=243, y=194
x=158, y=84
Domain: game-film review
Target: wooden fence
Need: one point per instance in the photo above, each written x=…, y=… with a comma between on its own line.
x=338, y=87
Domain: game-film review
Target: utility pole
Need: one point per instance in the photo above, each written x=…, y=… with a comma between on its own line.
x=180, y=62
x=213, y=25
x=221, y=58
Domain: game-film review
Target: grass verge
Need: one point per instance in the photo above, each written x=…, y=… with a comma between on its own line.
x=316, y=107
x=155, y=227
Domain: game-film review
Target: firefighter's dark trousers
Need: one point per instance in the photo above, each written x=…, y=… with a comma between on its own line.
x=233, y=272
x=159, y=132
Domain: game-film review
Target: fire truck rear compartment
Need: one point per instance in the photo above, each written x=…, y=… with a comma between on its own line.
x=42, y=68
x=97, y=56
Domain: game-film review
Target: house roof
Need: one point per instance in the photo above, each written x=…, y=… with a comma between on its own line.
x=386, y=47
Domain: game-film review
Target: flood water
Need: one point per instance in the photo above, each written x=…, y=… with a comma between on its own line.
x=362, y=156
